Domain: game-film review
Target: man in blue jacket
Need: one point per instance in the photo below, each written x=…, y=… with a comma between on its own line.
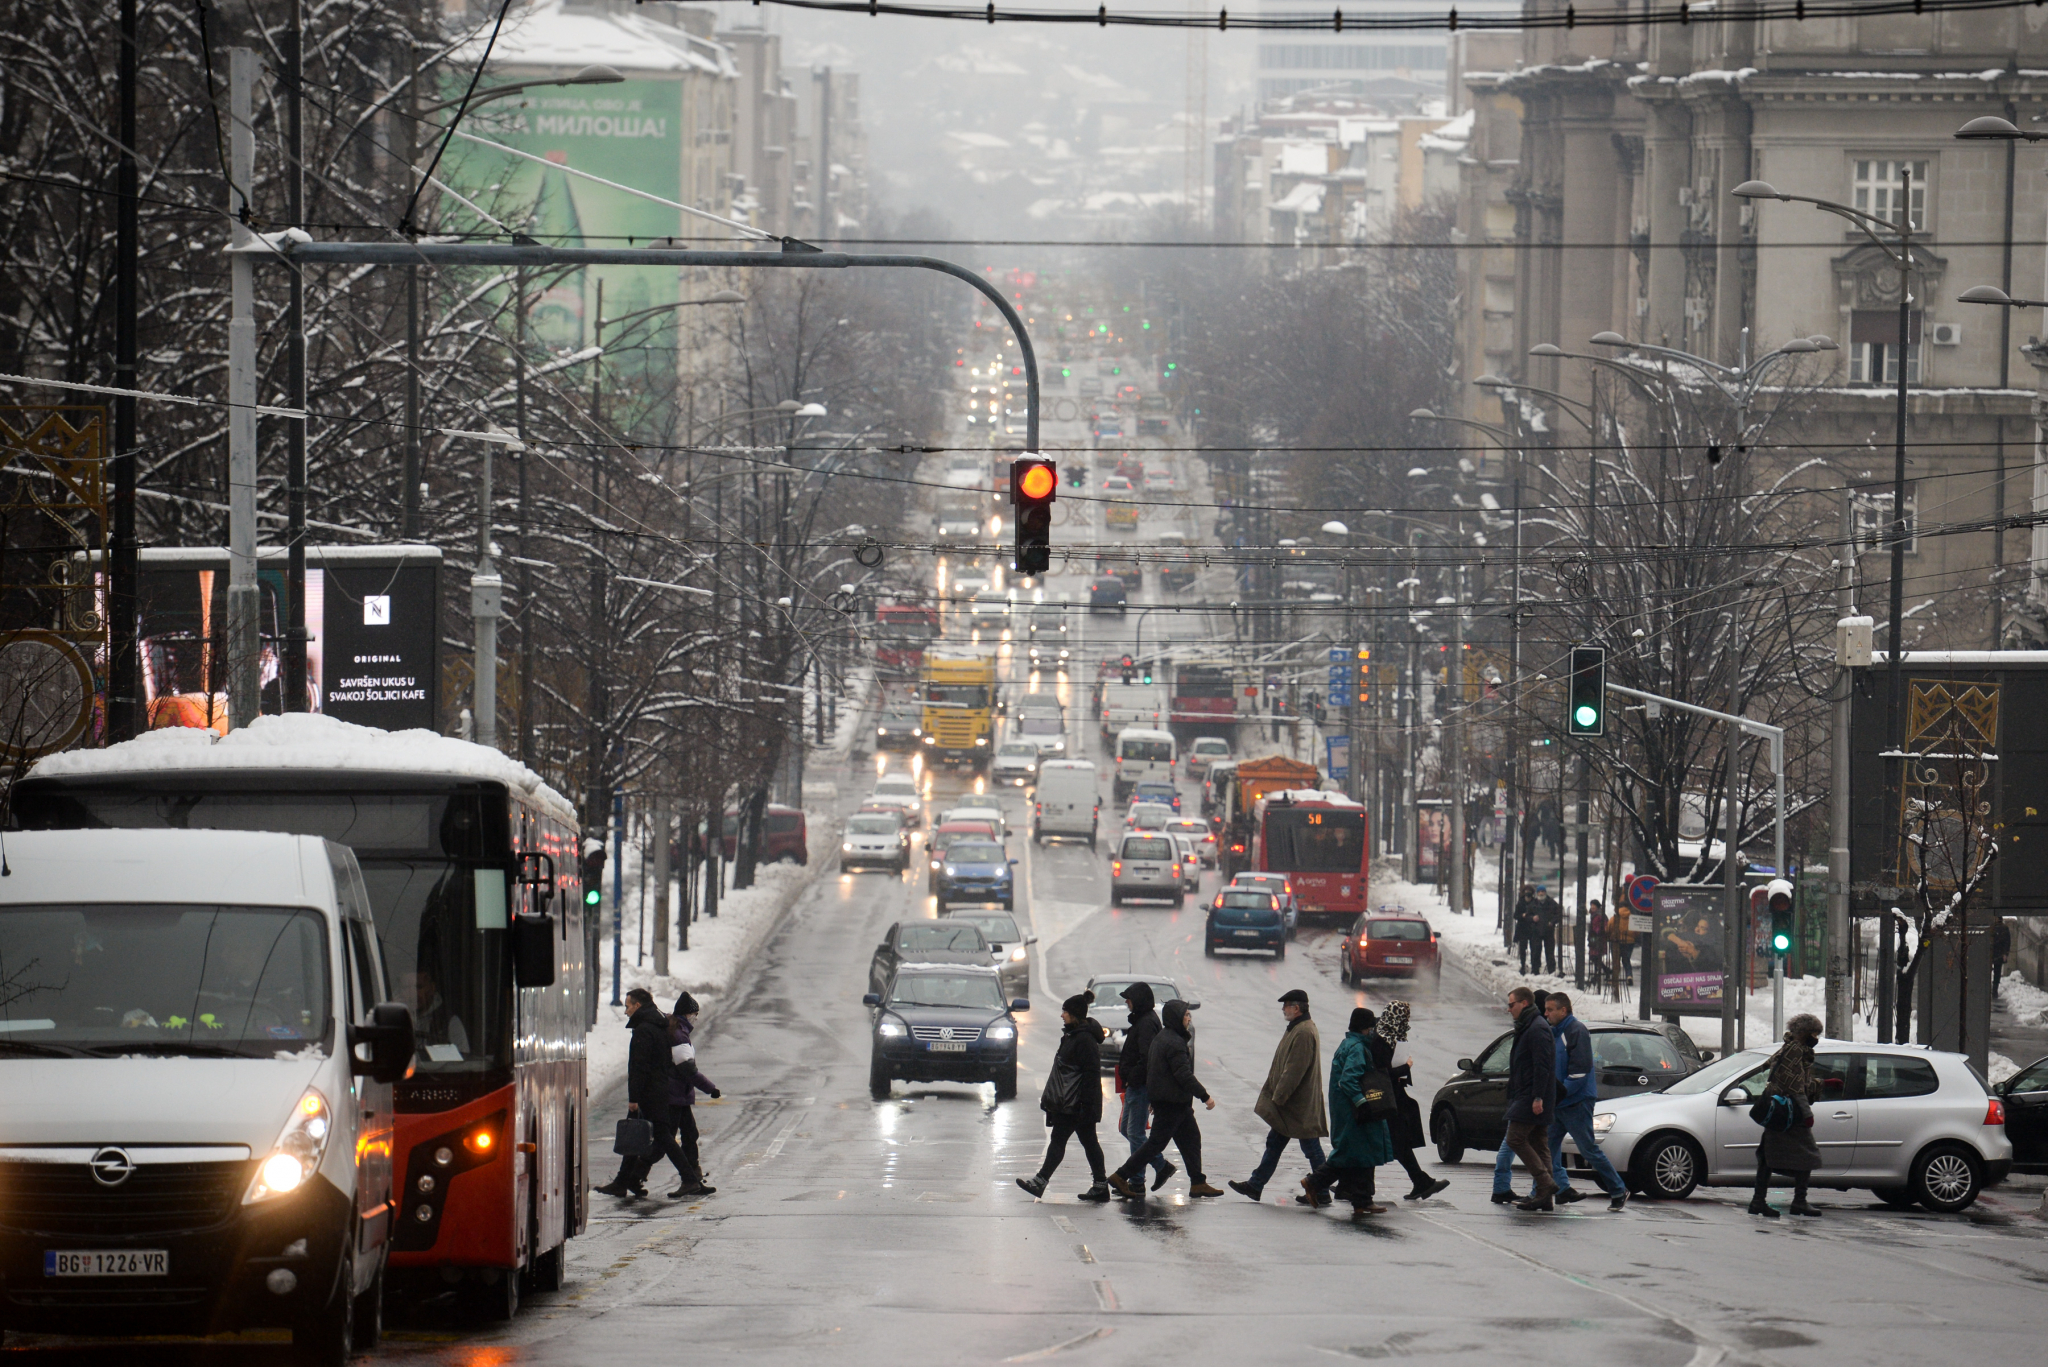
x=1578, y=1087
x=1532, y=1096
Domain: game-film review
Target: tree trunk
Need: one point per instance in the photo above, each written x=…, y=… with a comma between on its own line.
x=751, y=816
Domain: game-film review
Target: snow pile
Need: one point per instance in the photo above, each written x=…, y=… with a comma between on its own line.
x=306, y=740
x=2024, y=1002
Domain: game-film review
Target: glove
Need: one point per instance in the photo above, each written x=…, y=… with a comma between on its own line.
x=716, y=1094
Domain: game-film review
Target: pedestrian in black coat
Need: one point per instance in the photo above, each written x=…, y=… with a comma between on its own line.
x=1170, y=1077
x=1794, y=1152
x=1406, y=1127
x=1072, y=1100
x=686, y=1080
x=648, y=1072
x=1531, y=1096
x=1134, y=1121
x=1528, y=930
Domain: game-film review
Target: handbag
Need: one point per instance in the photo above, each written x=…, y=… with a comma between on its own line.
x=1062, y=1095
x=1775, y=1113
x=635, y=1136
x=1376, y=1099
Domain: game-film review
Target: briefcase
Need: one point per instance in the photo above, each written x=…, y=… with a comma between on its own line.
x=635, y=1137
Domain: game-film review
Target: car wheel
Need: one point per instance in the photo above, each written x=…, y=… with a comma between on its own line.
x=878, y=1080
x=1006, y=1083
x=845, y=867
x=1450, y=1140
x=1180, y=899
x=1116, y=899
x=1281, y=951
x=1344, y=970
x=368, y=1331
x=1667, y=1167
x=1898, y=1198
x=1208, y=949
x=1946, y=1178
x=326, y=1337
x=1010, y=905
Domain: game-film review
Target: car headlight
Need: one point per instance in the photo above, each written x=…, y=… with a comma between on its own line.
x=1002, y=1030
x=1017, y=955
x=846, y=846
x=950, y=871
x=891, y=1028
x=296, y=1155
x=1603, y=1122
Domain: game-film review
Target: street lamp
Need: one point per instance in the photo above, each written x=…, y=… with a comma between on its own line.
x=595, y=74
x=1898, y=249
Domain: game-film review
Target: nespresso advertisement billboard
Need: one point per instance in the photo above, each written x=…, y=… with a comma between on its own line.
x=372, y=616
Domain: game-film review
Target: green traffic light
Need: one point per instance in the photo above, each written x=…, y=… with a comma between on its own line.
x=1781, y=943
x=593, y=896
x=1586, y=714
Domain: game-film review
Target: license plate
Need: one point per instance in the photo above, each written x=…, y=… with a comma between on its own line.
x=948, y=1046
x=120, y=1262
x=1249, y=934
x=1399, y=959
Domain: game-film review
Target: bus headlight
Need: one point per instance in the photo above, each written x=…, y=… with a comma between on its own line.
x=296, y=1155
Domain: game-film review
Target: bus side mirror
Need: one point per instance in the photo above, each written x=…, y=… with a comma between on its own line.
x=389, y=1036
x=533, y=950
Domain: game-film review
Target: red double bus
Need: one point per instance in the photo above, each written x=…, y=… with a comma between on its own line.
x=472, y=874
x=904, y=631
x=1319, y=840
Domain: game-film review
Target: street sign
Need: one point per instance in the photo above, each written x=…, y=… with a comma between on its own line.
x=1339, y=675
x=1339, y=765
x=1500, y=798
x=1339, y=699
x=1336, y=657
x=1638, y=891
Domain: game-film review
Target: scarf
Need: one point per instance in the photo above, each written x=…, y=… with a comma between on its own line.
x=1393, y=1026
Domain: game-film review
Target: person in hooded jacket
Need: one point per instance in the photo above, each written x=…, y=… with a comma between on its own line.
x=1356, y=1146
x=1170, y=1077
x=1291, y=1101
x=1794, y=1152
x=1532, y=1096
x=1136, y=1117
x=685, y=1081
x=648, y=1071
x=1072, y=1100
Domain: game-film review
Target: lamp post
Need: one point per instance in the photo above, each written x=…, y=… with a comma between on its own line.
x=1899, y=251
x=486, y=595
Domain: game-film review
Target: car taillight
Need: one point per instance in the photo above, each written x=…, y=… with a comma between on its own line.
x=1116, y=866
x=1994, y=1114
x=1364, y=943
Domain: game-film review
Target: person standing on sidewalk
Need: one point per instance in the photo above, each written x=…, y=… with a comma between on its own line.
x=1170, y=1077
x=1133, y=1080
x=1552, y=912
x=1291, y=1102
x=1578, y=1087
x=1072, y=1100
x=1357, y=1146
x=685, y=1081
x=1596, y=942
x=1528, y=924
x=1622, y=937
x=1531, y=1096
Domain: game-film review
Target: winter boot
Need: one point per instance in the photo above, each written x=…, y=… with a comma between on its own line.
x=1800, y=1207
x=1424, y=1190
x=1165, y=1175
x=1098, y=1192
x=1313, y=1195
x=1204, y=1189
x=1033, y=1184
x=1569, y=1196
x=1537, y=1200
x=1125, y=1187
x=1502, y=1198
x=1244, y=1189
x=1757, y=1207
x=613, y=1188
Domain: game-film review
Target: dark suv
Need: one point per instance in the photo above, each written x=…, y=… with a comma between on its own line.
x=1470, y=1111
x=944, y=1023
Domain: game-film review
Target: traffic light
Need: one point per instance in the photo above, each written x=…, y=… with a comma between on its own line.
x=1780, y=894
x=1034, y=484
x=593, y=875
x=1146, y=676
x=1128, y=669
x=1586, y=696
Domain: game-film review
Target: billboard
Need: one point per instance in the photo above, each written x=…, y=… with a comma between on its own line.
x=372, y=619
x=1686, y=962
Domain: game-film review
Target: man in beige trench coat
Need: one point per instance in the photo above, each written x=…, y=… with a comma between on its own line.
x=1292, y=1099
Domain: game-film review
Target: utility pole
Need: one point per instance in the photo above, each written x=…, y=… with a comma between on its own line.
x=600, y=694
x=1454, y=677
x=525, y=516
x=293, y=666
x=243, y=645
x=1852, y=646
x=124, y=681
x=662, y=817
x=486, y=598
x=1734, y=949
x=409, y=492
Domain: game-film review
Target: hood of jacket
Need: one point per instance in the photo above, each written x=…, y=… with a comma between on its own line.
x=1090, y=1027
x=1175, y=1017
x=1140, y=998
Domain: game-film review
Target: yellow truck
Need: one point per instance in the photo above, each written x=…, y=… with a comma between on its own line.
x=958, y=693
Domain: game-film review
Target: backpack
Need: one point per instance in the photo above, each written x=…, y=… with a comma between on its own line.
x=1775, y=1113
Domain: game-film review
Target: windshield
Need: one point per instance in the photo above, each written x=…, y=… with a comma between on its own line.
x=1019, y=750
x=1637, y=1050
x=1040, y=725
x=974, y=852
x=1149, y=751
x=1397, y=930
x=923, y=938
x=243, y=982
x=448, y=969
x=1147, y=849
x=996, y=929
x=956, y=695
x=932, y=989
x=871, y=825
x=1714, y=1074
x=1259, y=901
x=896, y=787
x=1315, y=841
x=1151, y=815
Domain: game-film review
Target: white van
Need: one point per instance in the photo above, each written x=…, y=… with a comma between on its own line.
x=1142, y=756
x=197, y=1052
x=1067, y=802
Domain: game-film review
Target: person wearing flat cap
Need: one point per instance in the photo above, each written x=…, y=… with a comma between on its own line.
x=1291, y=1102
x=1072, y=1100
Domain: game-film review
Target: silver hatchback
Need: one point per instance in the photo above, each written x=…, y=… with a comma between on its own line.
x=1908, y=1124
x=1146, y=865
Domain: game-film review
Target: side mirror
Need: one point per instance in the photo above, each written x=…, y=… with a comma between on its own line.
x=533, y=950
x=1709, y=1055
x=1466, y=1065
x=871, y=999
x=1735, y=1096
x=1030, y=939
x=1019, y=1004
x=388, y=1034
x=537, y=871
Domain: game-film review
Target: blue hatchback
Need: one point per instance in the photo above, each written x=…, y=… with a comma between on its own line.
x=1157, y=792
x=1245, y=918
x=975, y=871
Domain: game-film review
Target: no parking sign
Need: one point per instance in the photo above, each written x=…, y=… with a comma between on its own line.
x=1636, y=891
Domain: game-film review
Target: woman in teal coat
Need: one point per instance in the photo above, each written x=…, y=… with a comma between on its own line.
x=1356, y=1147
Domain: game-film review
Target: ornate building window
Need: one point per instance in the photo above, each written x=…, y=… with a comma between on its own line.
x=1879, y=186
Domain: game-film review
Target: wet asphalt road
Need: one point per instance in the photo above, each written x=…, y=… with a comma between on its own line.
x=847, y=1230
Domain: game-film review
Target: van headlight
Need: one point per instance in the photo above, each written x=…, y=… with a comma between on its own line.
x=296, y=1155
x=1603, y=1122
x=891, y=1028
x=1001, y=1031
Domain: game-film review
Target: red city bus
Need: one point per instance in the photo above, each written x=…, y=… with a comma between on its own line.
x=1318, y=839
x=471, y=866
x=904, y=630
x=1204, y=697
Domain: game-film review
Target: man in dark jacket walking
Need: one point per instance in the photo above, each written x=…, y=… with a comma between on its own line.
x=1137, y=1111
x=1291, y=1102
x=648, y=1072
x=1170, y=1077
x=1578, y=1087
x=1072, y=1100
x=1532, y=1096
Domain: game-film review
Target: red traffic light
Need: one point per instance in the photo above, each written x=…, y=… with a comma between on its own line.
x=1038, y=482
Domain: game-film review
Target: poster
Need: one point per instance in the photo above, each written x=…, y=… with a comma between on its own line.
x=372, y=622
x=1687, y=957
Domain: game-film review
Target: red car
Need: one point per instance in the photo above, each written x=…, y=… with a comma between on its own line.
x=1390, y=943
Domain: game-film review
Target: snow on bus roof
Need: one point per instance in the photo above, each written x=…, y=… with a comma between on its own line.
x=1323, y=795
x=306, y=740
